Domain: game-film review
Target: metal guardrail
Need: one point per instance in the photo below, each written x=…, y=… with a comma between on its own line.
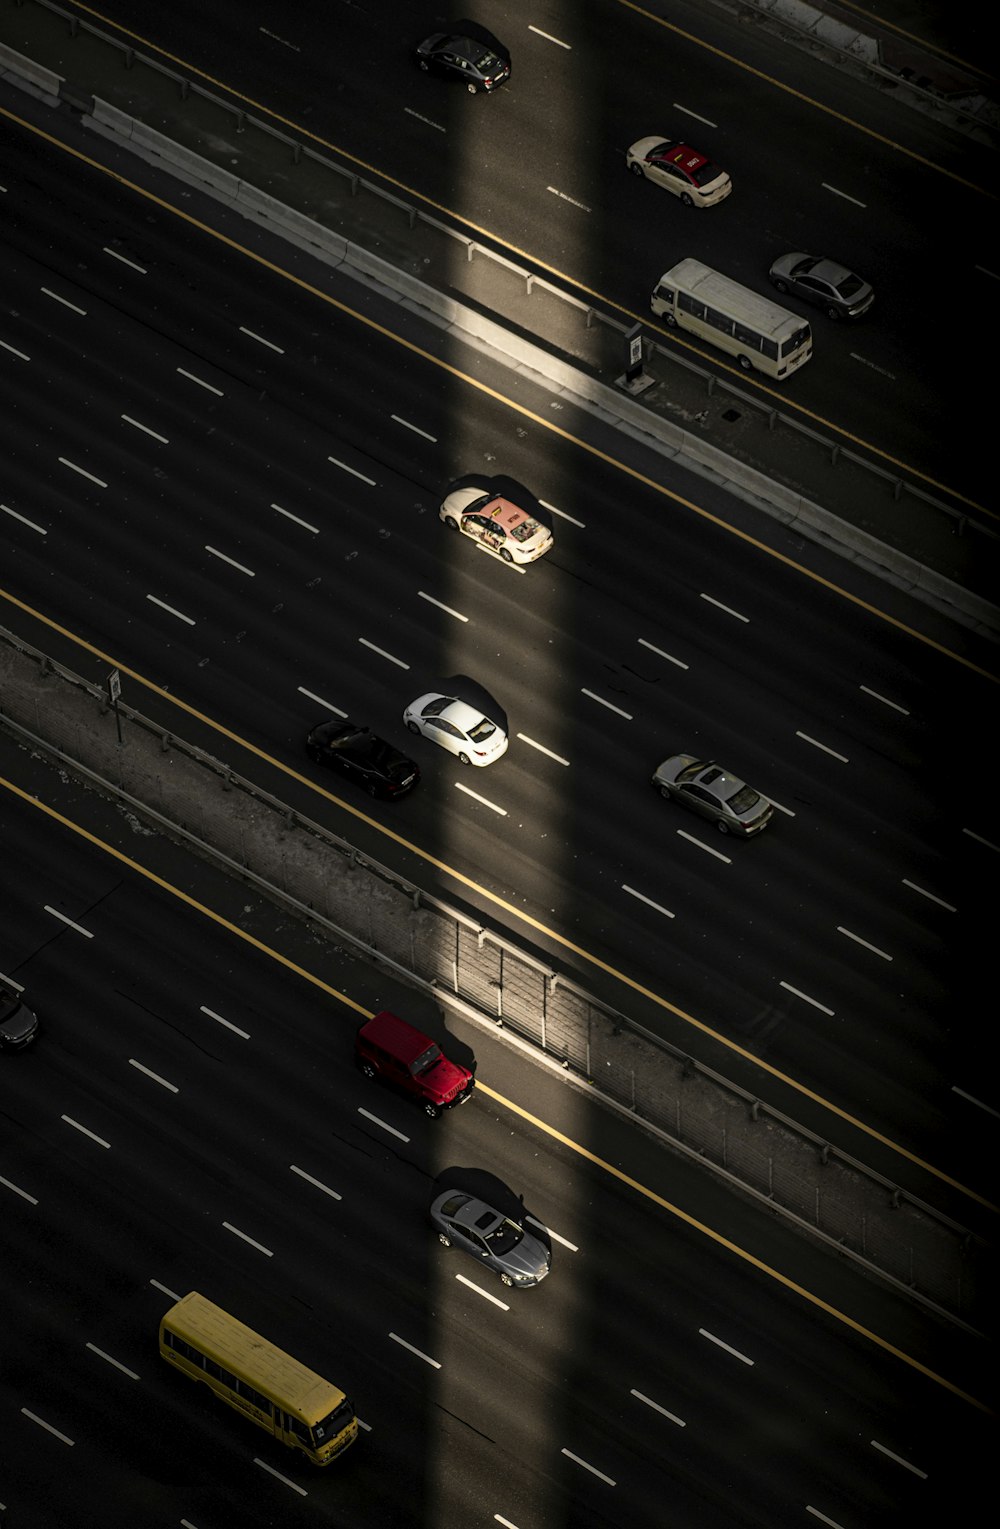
x=834, y=450
x=198, y=798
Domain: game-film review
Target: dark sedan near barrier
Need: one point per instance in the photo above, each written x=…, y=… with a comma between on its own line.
x=358, y=754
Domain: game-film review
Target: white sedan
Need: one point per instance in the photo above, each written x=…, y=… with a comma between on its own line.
x=457, y=727
x=496, y=523
x=680, y=169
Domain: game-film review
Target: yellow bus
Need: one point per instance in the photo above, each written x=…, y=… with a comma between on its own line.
x=763, y=336
x=269, y=1387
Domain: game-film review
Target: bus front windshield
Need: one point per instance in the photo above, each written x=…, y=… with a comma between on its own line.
x=335, y=1423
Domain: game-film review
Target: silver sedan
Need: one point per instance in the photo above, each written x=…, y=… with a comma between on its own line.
x=519, y=1257
x=826, y=283
x=708, y=789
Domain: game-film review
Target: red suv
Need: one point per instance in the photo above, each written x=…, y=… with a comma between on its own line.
x=389, y=1048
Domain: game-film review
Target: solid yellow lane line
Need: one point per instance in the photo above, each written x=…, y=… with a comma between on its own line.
x=180, y=894
x=308, y=976
x=510, y=910
x=497, y=397
x=516, y=916
x=799, y=95
x=573, y=281
x=651, y=1195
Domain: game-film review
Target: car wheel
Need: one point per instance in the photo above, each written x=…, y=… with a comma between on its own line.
x=782, y=286
x=373, y=790
x=424, y=65
x=670, y=320
x=505, y=554
x=413, y=727
x=432, y=1110
x=451, y=524
x=636, y=168
x=472, y=89
x=444, y=1239
x=686, y=200
x=463, y=758
x=833, y=313
x=723, y=826
x=505, y=1279
x=369, y=1070
x=665, y=793
x=746, y=365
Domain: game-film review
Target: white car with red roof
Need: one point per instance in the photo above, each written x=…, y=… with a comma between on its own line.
x=679, y=168
x=498, y=524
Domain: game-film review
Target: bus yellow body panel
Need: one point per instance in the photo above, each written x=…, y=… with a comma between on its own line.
x=267, y=1385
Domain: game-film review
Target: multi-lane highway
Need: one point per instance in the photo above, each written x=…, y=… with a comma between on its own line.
x=190, y=1119
x=226, y=481
x=820, y=161
x=231, y=485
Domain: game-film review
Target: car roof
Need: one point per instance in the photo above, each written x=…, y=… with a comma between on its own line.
x=397, y=1035
x=680, y=154
x=465, y=47
x=332, y=728
x=505, y=512
x=831, y=271
x=476, y=1214
x=719, y=782
x=462, y=714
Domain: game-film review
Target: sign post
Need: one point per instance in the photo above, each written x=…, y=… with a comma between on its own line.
x=634, y=380
x=114, y=691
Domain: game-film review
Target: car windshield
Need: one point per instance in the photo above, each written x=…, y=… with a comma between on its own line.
x=380, y=753
x=482, y=730
x=705, y=174
x=744, y=800
x=439, y=704
x=524, y=530
x=849, y=287
x=425, y=1059
x=504, y=1236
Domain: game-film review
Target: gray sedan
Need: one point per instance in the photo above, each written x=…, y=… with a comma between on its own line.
x=707, y=788
x=501, y=1244
x=831, y=286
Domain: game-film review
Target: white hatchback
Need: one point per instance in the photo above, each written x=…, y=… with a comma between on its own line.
x=457, y=727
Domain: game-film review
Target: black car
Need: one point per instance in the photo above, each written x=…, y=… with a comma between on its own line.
x=18, y=1023
x=357, y=753
x=478, y=64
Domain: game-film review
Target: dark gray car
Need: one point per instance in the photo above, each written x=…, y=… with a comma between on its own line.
x=501, y=1244
x=478, y=64
x=832, y=287
x=18, y=1023
x=710, y=790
